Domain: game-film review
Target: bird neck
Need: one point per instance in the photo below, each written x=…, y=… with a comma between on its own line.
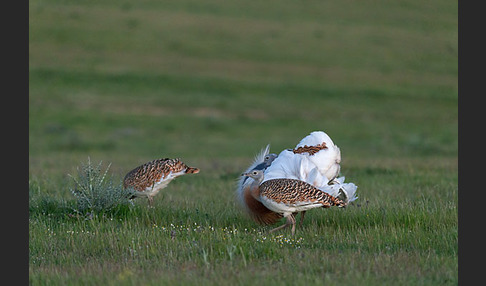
x=254, y=188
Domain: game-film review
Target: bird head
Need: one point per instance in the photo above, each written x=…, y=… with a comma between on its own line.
x=257, y=175
x=192, y=170
x=269, y=159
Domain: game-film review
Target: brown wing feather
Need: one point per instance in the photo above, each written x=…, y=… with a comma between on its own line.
x=291, y=191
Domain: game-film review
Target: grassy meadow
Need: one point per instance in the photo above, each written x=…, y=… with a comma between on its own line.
x=213, y=82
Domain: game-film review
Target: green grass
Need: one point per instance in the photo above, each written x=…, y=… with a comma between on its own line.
x=213, y=82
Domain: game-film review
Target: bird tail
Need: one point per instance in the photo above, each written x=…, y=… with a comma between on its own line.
x=320, y=150
x=343, y=191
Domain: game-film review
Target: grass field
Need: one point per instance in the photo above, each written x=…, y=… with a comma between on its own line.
x=213, y=82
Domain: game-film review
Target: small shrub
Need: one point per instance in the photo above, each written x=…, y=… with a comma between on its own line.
x=95, y=191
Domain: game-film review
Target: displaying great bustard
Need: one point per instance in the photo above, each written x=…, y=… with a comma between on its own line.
x=315, y=160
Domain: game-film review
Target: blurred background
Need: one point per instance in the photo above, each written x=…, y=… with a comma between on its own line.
x=213, y=82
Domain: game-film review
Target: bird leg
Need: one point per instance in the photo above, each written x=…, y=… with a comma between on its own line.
x=302, y=214
x=290, y=221
x=280, y=227
x=292, y=218
x=150, y=201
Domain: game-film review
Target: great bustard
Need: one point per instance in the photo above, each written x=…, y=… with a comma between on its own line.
x=246, y=191
x=148, y=179
x=290, y=196
x=315, y=160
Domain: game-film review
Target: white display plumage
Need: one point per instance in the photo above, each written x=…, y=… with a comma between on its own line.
x=320, y=169
x=327, y=160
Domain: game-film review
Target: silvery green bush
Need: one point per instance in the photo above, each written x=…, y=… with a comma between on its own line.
x=95, y=191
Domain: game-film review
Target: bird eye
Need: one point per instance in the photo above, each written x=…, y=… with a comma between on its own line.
x=255, y=172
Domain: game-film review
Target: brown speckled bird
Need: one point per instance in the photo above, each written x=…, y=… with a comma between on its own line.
x=148, y=179
x=290, y=196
